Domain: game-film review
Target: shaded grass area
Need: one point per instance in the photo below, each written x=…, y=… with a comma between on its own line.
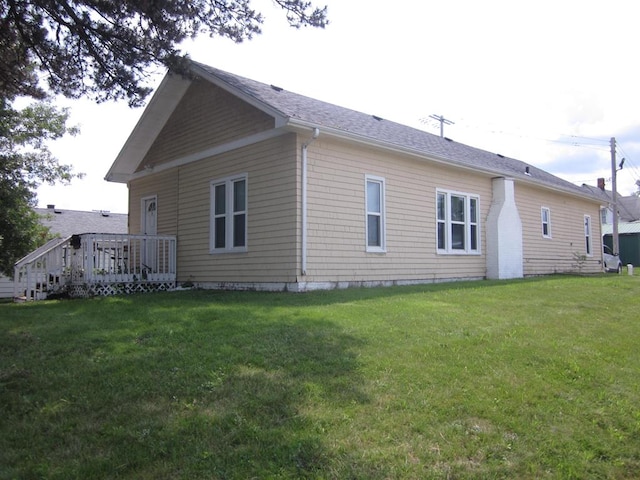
x=526, y=379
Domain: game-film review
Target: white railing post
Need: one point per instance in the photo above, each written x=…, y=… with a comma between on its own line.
x=41, y=271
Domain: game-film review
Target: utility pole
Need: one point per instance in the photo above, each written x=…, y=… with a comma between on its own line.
x=614, y=197
x=443, y=121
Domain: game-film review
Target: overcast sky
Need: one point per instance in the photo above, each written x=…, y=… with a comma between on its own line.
x=547, y=82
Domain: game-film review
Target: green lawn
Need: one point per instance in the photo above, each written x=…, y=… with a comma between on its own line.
x=526, y=379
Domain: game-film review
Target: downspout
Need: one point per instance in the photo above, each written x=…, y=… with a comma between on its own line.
x=303, y=259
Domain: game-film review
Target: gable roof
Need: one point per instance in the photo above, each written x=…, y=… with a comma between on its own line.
x=292, y=111
x=70, y=222
x=631, y=205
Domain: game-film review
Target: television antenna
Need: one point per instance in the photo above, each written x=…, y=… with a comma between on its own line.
x=443, y=121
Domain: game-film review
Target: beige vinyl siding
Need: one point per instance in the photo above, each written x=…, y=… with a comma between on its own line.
x=164, y=186
x=337, y=171
x=557, y=254
x=184, y=210
x=207, y=116
x=272, y=239
x=336, y=227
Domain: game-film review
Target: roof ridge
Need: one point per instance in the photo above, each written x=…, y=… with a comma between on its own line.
x=297, y=107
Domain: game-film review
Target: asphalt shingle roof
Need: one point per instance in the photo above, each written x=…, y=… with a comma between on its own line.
x=392, y=134
x=72, y=222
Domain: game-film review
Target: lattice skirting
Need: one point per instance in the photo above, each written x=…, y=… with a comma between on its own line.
x=106, y=289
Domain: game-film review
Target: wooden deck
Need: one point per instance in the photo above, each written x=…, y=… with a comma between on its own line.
x=97, y=264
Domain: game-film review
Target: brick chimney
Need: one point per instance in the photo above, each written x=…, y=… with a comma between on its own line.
x=601, y=184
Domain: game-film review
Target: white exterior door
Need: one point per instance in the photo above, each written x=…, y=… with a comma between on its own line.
x=149, y=223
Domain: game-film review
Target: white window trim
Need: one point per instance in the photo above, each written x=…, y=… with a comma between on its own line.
x=383, y=229
x=228, y=181
x=588, y=235
x=548, y=210
x=449, y=250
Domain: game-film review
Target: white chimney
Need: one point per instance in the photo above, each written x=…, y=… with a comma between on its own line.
x=504, y=233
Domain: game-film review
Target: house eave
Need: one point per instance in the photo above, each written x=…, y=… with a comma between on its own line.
x=160, y=107
x=116, y=177
x=153, y=118
x=301, y=125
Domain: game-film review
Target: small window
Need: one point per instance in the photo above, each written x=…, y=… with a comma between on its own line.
x=229, y=215
x=603, y=215
x=546, y=222
x=375, y=222
x=587, y=234
x=458, y=228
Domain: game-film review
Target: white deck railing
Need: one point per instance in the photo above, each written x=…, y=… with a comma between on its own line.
x=42, y=271
x=95, y=259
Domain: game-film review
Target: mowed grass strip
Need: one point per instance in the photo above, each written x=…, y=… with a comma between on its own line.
x=536, y=379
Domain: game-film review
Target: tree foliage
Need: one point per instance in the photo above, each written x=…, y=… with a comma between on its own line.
x=25, y=162
x=102, y=48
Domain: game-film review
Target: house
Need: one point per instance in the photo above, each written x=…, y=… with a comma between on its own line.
x=64, y=223
x=267, y=189
x=628, y=222
x=628, y=206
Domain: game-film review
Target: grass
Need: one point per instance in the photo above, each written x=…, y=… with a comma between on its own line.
x=524, y=379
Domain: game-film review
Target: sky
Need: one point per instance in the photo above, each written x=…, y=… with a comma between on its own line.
x=546, y=82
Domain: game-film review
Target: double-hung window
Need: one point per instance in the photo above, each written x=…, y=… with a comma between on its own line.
x=458, y=227
x=587, y=234
x=229, y=215
x=545, y=214
x=375, y=221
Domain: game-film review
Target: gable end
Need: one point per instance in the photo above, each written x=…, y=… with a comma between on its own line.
x=206, y=117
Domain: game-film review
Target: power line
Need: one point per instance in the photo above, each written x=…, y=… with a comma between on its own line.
x=630, y=163
x=570, y=140
x=587, y=142
x=593, y=139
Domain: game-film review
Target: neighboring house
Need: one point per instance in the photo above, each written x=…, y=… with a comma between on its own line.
x=267, y=189
x=628, y=222
x=6, y=287
x=64, y=223
x=628, y=207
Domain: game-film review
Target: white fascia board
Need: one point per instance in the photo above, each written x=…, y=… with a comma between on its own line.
x=151, y=122
x=117, y=177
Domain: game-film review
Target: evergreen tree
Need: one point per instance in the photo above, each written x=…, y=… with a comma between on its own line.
x=102, y=48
